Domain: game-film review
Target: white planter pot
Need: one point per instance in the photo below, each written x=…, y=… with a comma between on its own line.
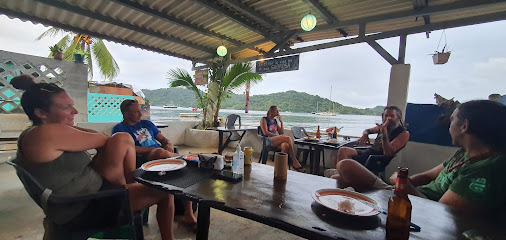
x=441, y=58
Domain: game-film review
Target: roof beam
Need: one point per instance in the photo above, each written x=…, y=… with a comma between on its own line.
x=91, y=14
x=280, y=44
x=382, y=52
x=325, y=14
x=254, y=15
x=35, y=19
x=406, y=31
x=440, y=9
x=232, y=16
x=154, y=13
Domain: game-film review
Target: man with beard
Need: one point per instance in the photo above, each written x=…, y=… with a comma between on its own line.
x=472, y=180
x=392, y=137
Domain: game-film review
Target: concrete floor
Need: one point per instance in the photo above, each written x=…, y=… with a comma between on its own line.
x=21, y=218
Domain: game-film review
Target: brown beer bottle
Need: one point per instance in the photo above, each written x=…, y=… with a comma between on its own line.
x=318, y=135
x=334, y=135
x=399, y=209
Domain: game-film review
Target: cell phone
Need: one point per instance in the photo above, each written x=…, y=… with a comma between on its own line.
x=228, y=176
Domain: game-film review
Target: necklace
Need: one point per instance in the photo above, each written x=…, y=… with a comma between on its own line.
x=476, y=158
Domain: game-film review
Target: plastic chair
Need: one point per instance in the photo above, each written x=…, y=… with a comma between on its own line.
x=230, y=123
x=298, y=133
x=377, y=164
x=265, y=149
x=48, y=200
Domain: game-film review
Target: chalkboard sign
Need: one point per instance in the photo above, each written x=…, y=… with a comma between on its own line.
x=289, y=63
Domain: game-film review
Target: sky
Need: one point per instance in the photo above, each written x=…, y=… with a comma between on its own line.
x=358, y=75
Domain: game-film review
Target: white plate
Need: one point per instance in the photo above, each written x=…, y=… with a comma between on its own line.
x=164, y=165
x=332, y=141
x=332, y=198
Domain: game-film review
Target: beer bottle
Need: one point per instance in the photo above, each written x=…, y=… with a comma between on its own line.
x=318, y=132
x=334, y=135
x=399, y=208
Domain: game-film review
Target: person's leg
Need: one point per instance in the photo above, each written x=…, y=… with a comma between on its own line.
x=284, y=143
x=344, y=153
x=116, y=160
x=160, y=153
x=188, y=212
x=354, y=174
x=142, y=197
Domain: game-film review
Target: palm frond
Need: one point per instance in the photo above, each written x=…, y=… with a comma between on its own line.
x=179, y=77
x=51, y=33
x=106, y=63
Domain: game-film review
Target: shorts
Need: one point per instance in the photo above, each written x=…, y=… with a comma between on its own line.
x=100, y=213
x=268, y=141
x=363, y=155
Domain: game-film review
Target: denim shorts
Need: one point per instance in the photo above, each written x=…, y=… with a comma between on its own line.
x=268, y=141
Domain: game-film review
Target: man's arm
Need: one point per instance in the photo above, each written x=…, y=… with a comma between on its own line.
x=164, y=142
x=390, y=148
x=365, y=135
x=455, y=200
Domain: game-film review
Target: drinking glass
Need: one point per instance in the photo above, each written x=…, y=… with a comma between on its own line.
x=229, y=156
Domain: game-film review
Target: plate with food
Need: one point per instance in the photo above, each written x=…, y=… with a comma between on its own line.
x=311, y=139
x=347, y=202
x=164, y=165
x=332, y=141
x=191, y=157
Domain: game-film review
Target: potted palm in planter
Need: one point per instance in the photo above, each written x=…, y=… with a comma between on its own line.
x=56, y=52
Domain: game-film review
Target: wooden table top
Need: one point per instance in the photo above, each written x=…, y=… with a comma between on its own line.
x=288, y=205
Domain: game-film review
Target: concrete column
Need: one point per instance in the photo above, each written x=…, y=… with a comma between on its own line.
x=398, y=87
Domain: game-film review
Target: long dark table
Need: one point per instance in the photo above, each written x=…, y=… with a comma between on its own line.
x=289, y=206
x=317, y=148
x=241, y=128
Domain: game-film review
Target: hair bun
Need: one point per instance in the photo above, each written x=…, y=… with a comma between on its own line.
x=23, y=82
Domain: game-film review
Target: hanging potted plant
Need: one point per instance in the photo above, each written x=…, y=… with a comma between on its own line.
x=441, y=57
x=79, y=55
x=56, y=52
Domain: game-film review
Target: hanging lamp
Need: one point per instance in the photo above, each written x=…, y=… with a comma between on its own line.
x=308, y=22
x=221, y=50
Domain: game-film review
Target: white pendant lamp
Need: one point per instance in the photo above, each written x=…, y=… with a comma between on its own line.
x=308, y=22
x=221, y=50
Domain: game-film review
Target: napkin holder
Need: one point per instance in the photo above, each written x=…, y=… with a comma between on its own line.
x=211, y=161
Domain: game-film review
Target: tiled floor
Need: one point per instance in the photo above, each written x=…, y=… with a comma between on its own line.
x=21, y=218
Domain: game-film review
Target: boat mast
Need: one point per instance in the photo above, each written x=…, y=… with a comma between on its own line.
x=330, y=104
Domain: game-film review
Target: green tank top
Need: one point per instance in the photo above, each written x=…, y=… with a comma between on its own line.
x=69, y=174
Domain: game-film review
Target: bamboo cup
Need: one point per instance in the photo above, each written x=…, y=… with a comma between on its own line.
x=280, y=165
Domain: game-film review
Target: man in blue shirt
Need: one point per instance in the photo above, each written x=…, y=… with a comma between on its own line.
x=144, y=133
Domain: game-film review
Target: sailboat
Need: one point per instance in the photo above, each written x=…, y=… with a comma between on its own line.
x=329, y=113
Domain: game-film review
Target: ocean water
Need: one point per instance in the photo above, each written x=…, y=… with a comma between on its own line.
x=352, y=125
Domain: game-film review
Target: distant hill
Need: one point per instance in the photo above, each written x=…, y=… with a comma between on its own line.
x=286, y=101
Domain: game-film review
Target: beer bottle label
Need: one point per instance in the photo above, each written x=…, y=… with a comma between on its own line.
x=400, y=183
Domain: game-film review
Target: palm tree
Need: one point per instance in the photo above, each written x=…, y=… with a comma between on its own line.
x=222, y=82
x=91, y=46
x=180, y=78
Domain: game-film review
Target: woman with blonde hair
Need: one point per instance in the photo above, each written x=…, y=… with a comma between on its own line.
x=274, y=136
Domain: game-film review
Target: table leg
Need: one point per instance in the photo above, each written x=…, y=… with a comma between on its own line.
x=316, y=160
x=220, y=142
x=203, y=221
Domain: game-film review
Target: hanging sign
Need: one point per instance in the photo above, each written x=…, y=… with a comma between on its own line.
x=289, y=63
x=201, y=77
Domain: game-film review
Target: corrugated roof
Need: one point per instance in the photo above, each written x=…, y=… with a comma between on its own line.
x=250, y=29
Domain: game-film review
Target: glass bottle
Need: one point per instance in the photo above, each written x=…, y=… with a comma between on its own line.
x=318, y=132
x=399, y=208
x=334, y=135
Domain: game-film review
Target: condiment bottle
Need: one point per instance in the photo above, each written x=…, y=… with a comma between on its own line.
x=399, y=208
x=238, y=162
x=334, y=135
x=318, y=132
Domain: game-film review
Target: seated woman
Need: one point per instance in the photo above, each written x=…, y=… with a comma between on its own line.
x=54, y=152
x=392, y=137
x=274, y=132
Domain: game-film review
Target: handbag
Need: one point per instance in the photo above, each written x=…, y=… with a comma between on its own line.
x=211, y=161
